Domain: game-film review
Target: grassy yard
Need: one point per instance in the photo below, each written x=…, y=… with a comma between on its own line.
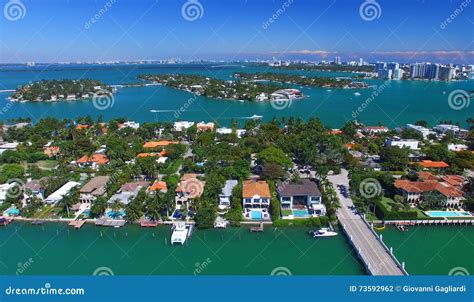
x=286, y=212
x=389, y=203
x=47, y=164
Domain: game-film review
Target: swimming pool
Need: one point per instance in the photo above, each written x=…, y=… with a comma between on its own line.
x=256, y=215
x=112, y=214
x=12, y=212
x=442, y=214
x=300, y=213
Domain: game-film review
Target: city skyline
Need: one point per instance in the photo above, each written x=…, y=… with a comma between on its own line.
x=90, y=31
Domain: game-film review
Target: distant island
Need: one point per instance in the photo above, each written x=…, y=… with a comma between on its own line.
x=325, y=82
x=55, y=90
x=327, y=67
x=230, y=90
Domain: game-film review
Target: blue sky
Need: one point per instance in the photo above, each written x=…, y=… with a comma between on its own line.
x=405, y=30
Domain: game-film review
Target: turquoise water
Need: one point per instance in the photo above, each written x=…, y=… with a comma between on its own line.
x=256, y=215
x=119, y=214
x=446, y=214
x=57, y=249
x=12, y=211
x=300, y=213
x=401, y=102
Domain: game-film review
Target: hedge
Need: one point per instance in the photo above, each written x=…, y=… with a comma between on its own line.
x=307, y=222
x=384, y=213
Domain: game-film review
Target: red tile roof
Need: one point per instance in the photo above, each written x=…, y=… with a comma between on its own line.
x=159, y=186
x=433, y=164
x=158, y=144
x=99, y=159
x=429, y=185
x=251, y=188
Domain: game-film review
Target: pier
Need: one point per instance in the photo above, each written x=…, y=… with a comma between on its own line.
x=378, y=259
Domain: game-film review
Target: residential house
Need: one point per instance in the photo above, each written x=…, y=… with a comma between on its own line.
x=225, y=196
x=256, y=199
x=158, y=186
x=129, y=124
x=371, y=130
x=413, y=190
x=58, y=195
x=35, y=188
x=228, y=131
x=182, y=126
x=94, y=161
x=300, y=200
x=422, y=130
x=412, y=144
x=128, y=192
x=96, y=187
x=189, y=188
x=428, y=164
x=205, y=126
x=158, y=144
x=4, y=189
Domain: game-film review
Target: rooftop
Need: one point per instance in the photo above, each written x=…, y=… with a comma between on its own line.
x=255, y=187
x=96, y=186
x=305, y=187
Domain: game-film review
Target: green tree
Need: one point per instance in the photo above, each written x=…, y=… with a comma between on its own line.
x=206, y=213
x=395, y=158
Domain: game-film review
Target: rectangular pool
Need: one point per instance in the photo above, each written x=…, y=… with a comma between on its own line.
x=448, y=214
x=300, y=213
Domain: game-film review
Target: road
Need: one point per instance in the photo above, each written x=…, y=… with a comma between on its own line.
x=370, y=249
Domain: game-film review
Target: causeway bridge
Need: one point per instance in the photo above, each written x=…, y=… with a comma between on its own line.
x=378, y=259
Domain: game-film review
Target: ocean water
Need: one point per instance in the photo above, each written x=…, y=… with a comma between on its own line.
x=56, y=248
x=398, y=103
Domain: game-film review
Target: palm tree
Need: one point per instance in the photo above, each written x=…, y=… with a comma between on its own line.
x=116, y=206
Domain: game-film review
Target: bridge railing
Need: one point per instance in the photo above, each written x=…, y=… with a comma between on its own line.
x=401, y=266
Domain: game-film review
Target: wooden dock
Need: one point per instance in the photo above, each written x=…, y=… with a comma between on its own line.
x=38, y=222
x=4, y=221
x=258, y=228
x=149, y=224
x=110, y=223
x=77, y=224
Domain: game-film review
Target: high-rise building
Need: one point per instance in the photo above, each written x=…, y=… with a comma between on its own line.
x=337, y=60
x=398, y=74
x=380, y=66
x=424, y=71
x=446, y=73
x=385, y=74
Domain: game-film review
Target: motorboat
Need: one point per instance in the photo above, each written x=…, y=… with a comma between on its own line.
x=322, y=232
x=180, y=233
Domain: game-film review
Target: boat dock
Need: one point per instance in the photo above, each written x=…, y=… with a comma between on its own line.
x=377, y=258
x=38, y=222
x=258, y=228
x=5, y=221
x=149, y=224
x=77, y=224
x=110, y=223
x=428, y=222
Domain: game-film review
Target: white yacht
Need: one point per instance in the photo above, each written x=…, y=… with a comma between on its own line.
x=322, y=232
x=180, y=233
x=356, y=93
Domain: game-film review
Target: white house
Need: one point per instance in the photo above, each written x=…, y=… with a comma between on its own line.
x=256, y=199
x=443, y=128
x=227, y=131
x=224, y=197
x=412, y=144
x=301, y=200
x=457, y=147
x=4, y=189
x=130, y=124
x=61, y=192
x=422, y=130
x=182, y=126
